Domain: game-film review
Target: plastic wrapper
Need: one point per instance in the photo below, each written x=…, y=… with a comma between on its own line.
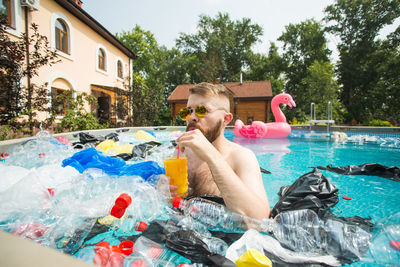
x=279, y=255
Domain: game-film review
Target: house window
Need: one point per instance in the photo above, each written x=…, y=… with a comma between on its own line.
x=5, y=9
x=119, y=69
x=61, y=36
x=59, y=105
x=102, y=59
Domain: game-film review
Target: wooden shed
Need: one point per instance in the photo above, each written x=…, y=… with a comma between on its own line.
x=251, y=100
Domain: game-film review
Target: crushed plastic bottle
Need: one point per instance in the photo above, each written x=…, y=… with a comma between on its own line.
x=216, y=216
x=299, y=230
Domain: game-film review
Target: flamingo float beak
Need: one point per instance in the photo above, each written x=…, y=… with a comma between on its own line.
x=291, y=104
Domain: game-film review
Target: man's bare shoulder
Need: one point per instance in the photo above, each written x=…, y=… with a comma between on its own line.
x=238, y=153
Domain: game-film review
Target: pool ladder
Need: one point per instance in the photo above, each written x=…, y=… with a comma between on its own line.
x=313, y=116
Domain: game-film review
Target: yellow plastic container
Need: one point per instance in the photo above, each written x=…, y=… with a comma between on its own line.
x=176, y=169
x=253, y=258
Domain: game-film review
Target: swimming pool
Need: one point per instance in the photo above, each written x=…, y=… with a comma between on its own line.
x=286, y=159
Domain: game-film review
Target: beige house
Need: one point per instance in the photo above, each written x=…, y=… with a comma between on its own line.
x=92, y=60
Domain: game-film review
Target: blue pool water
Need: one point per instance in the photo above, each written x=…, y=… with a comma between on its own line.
x=36, y=165
x=287, y=159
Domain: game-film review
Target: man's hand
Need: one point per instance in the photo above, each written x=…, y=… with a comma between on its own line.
x=197, y=142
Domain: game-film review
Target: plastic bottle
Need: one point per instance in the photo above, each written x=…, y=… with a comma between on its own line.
x=215, y=245
x=299, y=230
x=217, y=217
x=187, y=223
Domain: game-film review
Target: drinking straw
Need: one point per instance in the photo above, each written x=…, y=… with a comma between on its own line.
x=177, y=154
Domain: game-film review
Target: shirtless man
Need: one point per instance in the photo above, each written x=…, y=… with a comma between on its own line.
x=216, y=165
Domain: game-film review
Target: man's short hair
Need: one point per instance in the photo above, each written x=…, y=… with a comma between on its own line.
x=209, y=89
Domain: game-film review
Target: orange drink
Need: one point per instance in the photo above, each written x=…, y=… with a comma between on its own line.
x=176, y=169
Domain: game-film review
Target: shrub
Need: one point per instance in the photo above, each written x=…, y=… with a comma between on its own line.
x=379, y=123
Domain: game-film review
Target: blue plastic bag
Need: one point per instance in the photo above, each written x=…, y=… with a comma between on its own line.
x=92, y=158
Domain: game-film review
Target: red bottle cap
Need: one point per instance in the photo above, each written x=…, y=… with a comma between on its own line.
x=123, y=201
x=176, y=203
x=184, y=265
x=140, y=226
x=126, y=247
x=139, y=263
x=117, y=212
x=115, y=248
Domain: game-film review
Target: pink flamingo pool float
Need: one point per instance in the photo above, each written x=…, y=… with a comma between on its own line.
x=278, y=129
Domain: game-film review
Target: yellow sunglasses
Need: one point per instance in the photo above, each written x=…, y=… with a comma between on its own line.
x=200, y=111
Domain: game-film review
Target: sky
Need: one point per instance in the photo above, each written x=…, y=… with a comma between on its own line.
x=167, y=18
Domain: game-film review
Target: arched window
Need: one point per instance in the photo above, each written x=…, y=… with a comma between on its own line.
x=101, y=59
x=120, y=72
x=61, y=31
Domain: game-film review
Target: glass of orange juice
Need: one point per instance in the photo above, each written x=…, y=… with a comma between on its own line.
x=176, y=169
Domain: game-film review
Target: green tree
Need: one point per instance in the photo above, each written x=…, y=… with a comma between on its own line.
x=323, y=88
x=148, y=77
x=270, y=67
x=303, y=44
x=220, y=48
x=15, y=98
x=365, y=60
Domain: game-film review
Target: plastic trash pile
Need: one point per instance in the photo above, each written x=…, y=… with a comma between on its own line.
x=106, y=201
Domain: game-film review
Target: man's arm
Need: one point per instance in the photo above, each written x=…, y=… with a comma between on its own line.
x=242, y=187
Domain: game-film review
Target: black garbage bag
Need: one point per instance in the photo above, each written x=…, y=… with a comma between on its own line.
x=213, y=198
x=373, y=169
x=156, y=231
x=188, y=243
x=140, y=150
x=310, y=191
x=113, y=136
x=85, y=138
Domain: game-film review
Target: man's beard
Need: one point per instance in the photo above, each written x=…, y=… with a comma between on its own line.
x=211, y=133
